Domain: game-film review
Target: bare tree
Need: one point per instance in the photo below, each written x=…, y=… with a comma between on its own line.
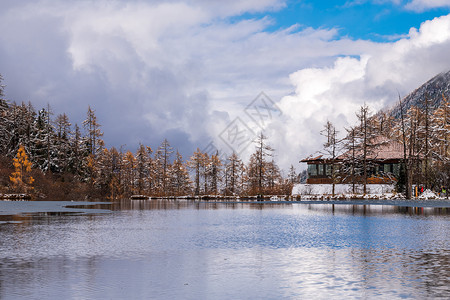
x=331, y=150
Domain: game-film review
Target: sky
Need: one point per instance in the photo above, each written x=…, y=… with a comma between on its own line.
x=213, y=74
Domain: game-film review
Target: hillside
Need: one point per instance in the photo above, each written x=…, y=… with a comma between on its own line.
x=433, y=89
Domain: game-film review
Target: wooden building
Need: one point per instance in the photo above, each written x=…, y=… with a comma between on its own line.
x=383, y=162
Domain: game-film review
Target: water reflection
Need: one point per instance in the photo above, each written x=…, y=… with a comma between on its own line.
x=368, y=210
x=191, y=250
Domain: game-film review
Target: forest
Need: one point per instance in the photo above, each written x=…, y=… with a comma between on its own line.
x=422, y=130
x=49, y=158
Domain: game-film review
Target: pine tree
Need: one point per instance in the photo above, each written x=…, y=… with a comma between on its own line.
x=20, y=178
x=63, y=134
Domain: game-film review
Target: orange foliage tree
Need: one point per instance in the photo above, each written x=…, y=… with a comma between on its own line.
x=20, y=178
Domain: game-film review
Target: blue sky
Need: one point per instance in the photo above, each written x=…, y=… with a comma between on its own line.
x=185, y=69
x=369, y=20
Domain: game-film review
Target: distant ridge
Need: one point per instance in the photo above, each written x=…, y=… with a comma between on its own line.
x=432, y=89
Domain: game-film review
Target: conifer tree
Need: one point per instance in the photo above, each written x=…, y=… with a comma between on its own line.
x=195, y=163
x=331, y=148
x=142, y=169
x=215, y=172
x=180, y=181
x=21, y=178
x=233, y=173
x=262, y=151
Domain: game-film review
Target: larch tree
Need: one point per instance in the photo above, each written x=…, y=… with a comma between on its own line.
x=331, y=148
x=93, y=132
x=21, y=178
x=5, y=121
x=273, y=178
x=263, y=150
x=205, y=171
x=179, y=180
x=142, y=169
x=94, y=143
x=350, y=160
x=163, y=155
x=195, y=164
x=367, y=135
x=129, y=171
x=424, y=134
x=233, y=172
x=215, y=170
x=441, y=143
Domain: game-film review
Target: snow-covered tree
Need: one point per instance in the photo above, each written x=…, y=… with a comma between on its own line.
x=93, y=132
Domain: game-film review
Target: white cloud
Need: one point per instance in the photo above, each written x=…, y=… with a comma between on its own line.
x=422, y=5
x=334, y=93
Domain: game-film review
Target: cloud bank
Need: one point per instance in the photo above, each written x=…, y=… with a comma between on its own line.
x=336, y=92
x=183, y=70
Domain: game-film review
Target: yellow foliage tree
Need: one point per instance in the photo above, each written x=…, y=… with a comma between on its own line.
x=20, y=178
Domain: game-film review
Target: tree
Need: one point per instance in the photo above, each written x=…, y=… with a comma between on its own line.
x=180, y=182
x=350, y=160
x=195, y=163
x=405, y=169
x=331, y=149
x=142, y=168
x=262, y=151
x=162, y=163
x=273, y=178
x=424, y=132
x=129, y=171
x=21, y=178
x=94, y=134
x=233, y=173
x=367, y=133
x=440, y=141
x=215, y=172
x=63, y=134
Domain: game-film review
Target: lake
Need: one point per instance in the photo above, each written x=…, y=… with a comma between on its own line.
x=179, y=249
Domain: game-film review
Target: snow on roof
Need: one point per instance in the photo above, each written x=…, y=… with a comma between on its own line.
x=381, y=148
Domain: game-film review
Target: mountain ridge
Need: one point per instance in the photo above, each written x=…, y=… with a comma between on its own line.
x=434, y=90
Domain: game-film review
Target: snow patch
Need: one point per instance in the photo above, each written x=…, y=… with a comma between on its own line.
x=428, y=194
x=341, y=189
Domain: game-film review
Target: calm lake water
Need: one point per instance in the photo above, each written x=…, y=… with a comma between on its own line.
x=189, y=250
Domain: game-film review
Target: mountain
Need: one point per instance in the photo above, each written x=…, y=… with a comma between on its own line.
x=433, y=89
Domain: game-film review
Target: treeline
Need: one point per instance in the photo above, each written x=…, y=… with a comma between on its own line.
x=423, y=133
x=70, y=161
